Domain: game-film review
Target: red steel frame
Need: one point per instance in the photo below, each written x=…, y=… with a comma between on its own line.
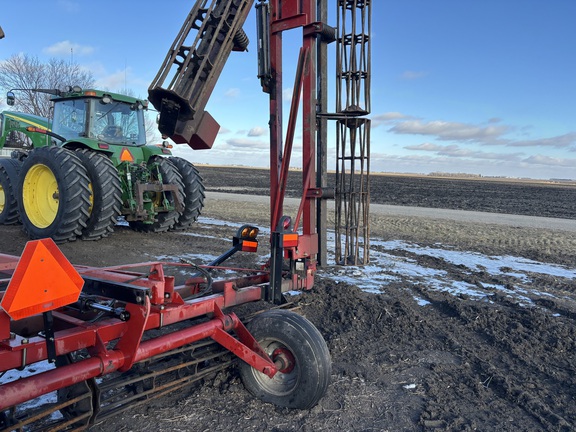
x=287, y=15
x=165, y=305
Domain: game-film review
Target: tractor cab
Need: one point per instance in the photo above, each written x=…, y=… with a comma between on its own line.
x=106, y=117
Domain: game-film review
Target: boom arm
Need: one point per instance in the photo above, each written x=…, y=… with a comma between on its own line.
x=192, y=66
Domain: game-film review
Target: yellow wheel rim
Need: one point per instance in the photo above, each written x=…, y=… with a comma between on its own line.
x=91, y=198
x=40, y=196
x=2, y=199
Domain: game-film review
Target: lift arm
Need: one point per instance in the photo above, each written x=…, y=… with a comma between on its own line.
x=186, y=79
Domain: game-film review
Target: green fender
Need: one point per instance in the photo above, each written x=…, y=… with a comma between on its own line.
x=119, y=153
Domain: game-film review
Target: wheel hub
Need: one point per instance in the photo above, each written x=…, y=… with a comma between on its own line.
x=284, y=360
x=40, y=196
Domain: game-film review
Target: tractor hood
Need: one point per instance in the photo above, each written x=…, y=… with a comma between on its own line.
x=26, y=120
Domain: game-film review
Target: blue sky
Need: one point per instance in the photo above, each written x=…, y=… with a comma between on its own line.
x=485, y=87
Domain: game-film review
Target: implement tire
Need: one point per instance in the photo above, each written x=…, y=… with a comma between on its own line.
x=170, y=175
x=291, y=340
x=9, y=169
x=193, y=191
x=53, y=194
x=106, y=196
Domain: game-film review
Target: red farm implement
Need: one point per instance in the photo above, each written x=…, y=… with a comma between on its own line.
x=111, y=337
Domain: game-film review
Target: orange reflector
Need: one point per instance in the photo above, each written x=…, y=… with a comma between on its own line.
x=35, y=129
x=43, y=280
x=249, y=246
x=89, y=93
x=126, y=156
x=289, y=240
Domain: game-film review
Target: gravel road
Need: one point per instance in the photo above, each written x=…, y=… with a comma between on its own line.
x=555, y=224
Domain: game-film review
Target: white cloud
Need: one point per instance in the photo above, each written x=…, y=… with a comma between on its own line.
x=257, y=131
x=412, y=75
x=287, y=94
x=67, y=48
x=232, y=93
x=425, y=147
x=451, y=131
x=551, y=161
x=455, y=151
x=491, y=132
x=389, y=117
x=560, y=141
x=248, y=144
x=121, y=80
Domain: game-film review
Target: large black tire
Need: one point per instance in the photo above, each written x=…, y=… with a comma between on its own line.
x=170, y=175
x=9, y=169
x=106, y=198
x=53, y=194
x=193, y=191
x=305, y=381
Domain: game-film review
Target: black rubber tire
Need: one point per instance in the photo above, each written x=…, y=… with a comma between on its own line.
x=83, y=408
x=193, y=191
x=307, y=382
x=164, y=220
x=106, y=194
x=73, y=202
x=9, y=169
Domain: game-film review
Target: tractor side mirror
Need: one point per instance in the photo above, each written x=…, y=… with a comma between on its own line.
x=10, y=98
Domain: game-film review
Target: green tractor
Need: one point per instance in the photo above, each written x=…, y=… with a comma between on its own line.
x=74, y=175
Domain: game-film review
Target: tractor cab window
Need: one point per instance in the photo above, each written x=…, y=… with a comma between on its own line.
x=70, y=118
x=116, y=123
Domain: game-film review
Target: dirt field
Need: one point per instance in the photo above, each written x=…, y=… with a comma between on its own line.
x=453, y=326
x=511, y=196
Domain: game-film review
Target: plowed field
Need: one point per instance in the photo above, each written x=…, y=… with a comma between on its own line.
x=453, y=326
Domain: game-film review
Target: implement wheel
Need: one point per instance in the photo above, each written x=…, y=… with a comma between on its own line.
x=53, y=194
x=9, y=169
x=299, y=350
x=167, y=219
x=106, y=194
x=193, y=191
x=79, y=401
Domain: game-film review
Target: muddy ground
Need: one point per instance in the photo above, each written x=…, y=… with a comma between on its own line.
x=410, y=358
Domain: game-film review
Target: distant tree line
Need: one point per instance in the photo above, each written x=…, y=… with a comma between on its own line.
x=460, y=175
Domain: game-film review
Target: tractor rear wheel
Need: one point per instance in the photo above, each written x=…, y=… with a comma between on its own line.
x=53, y=194
x=106, y=194
x=9, y=169
x=293, y=343
x=167, y=219
x=193, y=191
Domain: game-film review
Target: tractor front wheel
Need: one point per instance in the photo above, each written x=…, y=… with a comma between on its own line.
x=106, y=197
x=300, y=352
x=53, y=194
x=193, y=191
x=9, y=169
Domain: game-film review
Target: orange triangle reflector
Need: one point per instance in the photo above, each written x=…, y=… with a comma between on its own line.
x=126, y=156
x=43, y=280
